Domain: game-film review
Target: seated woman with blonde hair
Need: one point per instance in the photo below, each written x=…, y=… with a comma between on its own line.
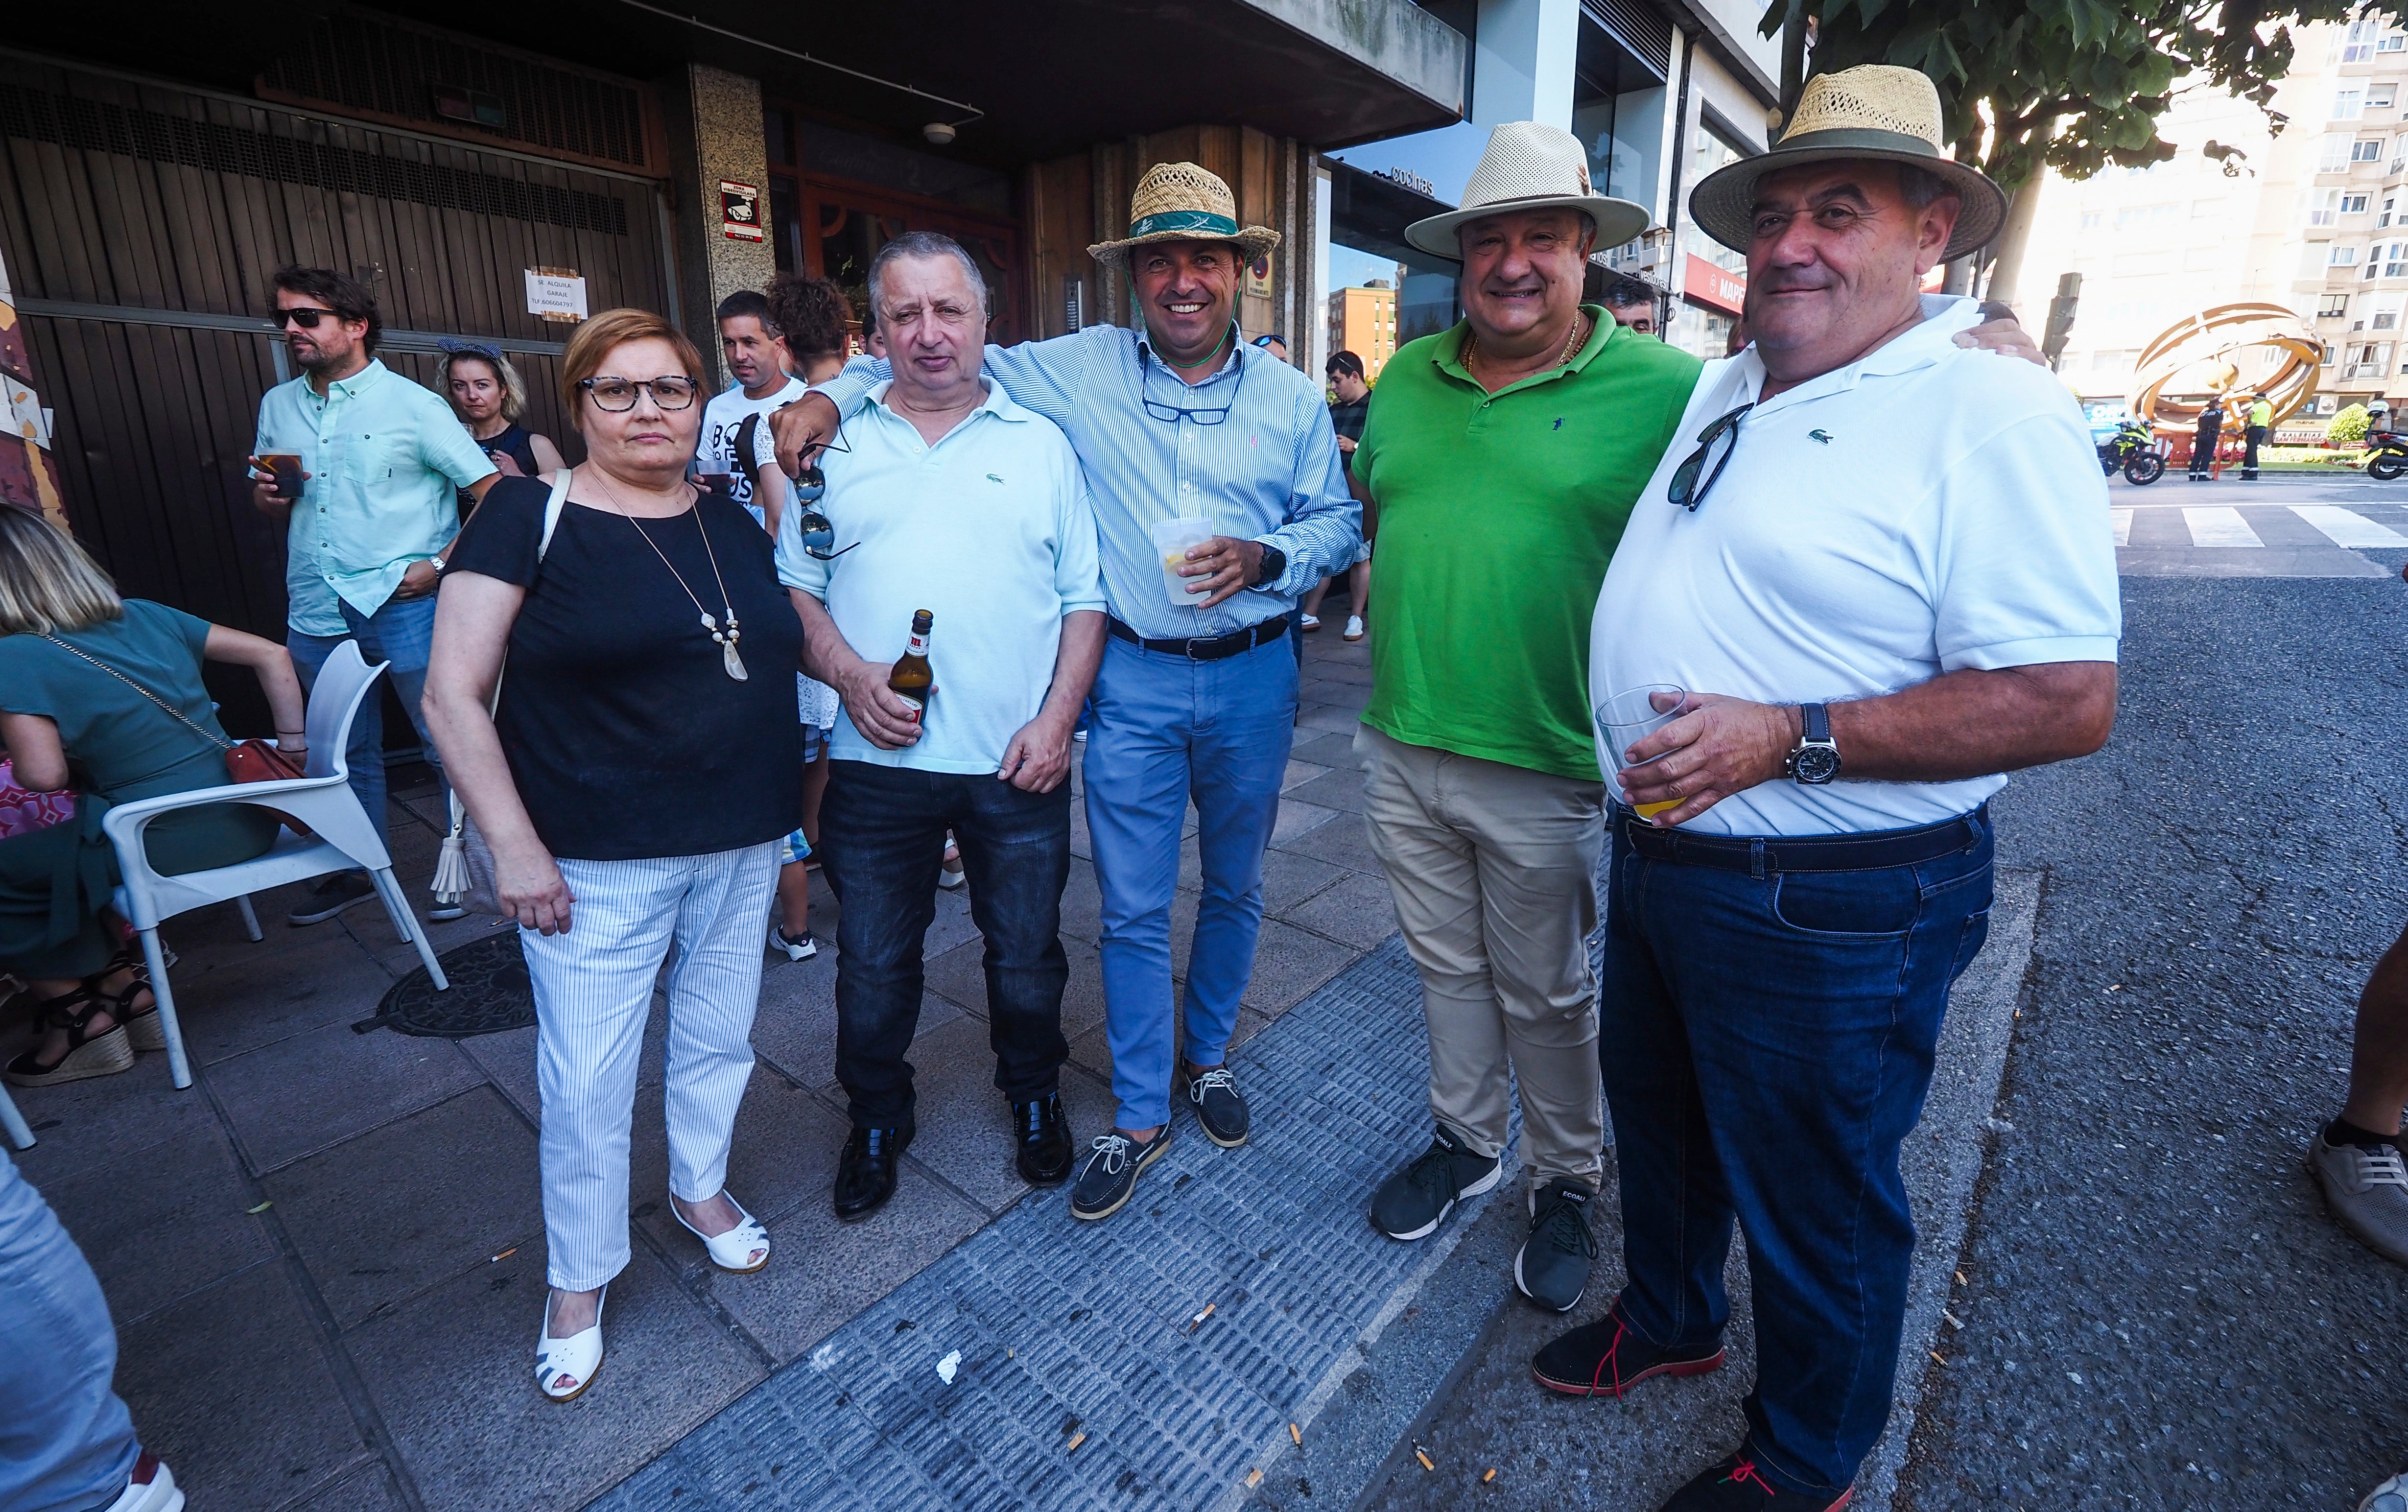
x=632, y=783
x=103, y=695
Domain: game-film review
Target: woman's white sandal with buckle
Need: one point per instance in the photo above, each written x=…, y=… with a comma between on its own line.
x=743, y=1249
x=564, y=1368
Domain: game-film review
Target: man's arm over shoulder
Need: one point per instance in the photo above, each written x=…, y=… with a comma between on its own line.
x=1077, y=551
x=1044, y=377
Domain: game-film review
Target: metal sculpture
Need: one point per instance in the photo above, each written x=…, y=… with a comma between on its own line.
x=2196, y=356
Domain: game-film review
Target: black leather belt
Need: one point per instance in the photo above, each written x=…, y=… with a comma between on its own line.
x=1235, y=644
x=1820, y=853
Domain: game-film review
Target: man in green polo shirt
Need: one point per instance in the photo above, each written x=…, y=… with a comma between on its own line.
x=1504, y=455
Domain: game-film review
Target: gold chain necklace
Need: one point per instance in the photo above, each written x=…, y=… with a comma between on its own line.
x=731, y=635
x=1472, y=345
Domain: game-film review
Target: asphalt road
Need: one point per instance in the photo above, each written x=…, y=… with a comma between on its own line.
x=2157, y=1312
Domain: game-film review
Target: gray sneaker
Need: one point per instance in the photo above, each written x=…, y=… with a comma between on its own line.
x=2368, y=1191
x=1411, y=1204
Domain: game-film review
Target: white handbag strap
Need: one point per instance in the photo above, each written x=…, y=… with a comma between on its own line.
x=552, y=511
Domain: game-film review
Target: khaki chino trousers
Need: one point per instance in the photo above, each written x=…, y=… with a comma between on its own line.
x=1494, y=870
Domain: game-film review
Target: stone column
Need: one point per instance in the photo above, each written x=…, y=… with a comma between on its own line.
x=716, y=132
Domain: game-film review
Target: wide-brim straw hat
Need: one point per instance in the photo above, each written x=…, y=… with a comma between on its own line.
x=1527, y=166
x=1183, y=202
x=1873, y=111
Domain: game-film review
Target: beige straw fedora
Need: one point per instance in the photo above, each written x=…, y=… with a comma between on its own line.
x=1872, y=111
x=1527, y=166
x=1182, y=202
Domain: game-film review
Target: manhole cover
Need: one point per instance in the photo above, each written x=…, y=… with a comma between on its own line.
x=490, y=993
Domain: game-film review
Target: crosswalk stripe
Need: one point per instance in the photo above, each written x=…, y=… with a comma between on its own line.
x=2219, y=525
x=2123, y=526
x=2347, y=527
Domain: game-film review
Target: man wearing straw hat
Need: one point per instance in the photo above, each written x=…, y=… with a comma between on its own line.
x=1187, y=435
x=1503, y=457
x=1883, y=577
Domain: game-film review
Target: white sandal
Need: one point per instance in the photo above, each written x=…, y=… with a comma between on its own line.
x=564, y=1368
x=735, y=1250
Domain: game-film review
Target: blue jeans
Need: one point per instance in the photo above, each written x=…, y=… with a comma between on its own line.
x=1767, y=1044
x=882, y=837
x=1163, y=729
x=400, y=633
x=67, y=1442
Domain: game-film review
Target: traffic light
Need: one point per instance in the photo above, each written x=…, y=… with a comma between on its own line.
x=2060, y=318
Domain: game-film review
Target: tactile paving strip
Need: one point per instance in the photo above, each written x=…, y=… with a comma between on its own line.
x=1067, y=1328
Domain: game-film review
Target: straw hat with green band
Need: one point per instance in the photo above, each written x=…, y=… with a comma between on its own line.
x=1873, y=111
x=1182, y=202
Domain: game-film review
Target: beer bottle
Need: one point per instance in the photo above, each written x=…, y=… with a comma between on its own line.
x=912, y=680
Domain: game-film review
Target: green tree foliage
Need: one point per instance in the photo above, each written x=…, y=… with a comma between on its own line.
x=2348, y=428
x=2072, y=84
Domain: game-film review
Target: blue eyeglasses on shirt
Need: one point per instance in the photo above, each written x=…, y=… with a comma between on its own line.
x=1171, y=414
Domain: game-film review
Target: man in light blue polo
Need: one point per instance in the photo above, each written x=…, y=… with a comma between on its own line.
x=382, y=462
x=1181, y=421
x=952, y=500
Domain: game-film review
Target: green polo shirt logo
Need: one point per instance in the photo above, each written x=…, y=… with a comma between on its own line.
x=1498, y=516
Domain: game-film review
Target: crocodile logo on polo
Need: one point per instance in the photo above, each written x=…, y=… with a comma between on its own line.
x=1823, y=435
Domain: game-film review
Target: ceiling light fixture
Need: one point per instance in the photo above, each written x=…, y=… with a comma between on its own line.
x=938, y=132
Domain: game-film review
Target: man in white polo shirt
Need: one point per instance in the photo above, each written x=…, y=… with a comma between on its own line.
x=1883, y=577
x=945, y=496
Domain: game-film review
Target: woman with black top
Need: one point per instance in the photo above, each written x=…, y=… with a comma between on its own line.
x=489, y=396
x=633, y=784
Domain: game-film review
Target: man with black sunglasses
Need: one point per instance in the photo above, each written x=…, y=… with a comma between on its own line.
x=1181, y=421
x=381, y=465
x=1879, y=570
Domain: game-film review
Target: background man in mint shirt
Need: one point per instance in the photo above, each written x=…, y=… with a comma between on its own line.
x=383, y=460
x=948, y=497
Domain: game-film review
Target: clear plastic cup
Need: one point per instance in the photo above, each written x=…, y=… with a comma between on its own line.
x=1628, y=717
x=1171, y=539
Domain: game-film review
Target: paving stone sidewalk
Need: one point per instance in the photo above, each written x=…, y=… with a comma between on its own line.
x=325, y=1258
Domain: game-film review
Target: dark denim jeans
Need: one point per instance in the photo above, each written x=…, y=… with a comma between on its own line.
x=1767, y=1044
x=882, y=840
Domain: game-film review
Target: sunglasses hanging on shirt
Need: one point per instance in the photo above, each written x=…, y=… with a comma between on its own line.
x=809, y=487
x=1716, y=444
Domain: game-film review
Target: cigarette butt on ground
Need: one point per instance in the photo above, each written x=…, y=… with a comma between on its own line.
x=1076, y=1439
x=1491, y=1476
x=504, y=1255
x=1197, y=1321
x=1423, y=1455
x=1295, y=1433
x=1937, y=1357
x=261, y=1208
x=1961, y=1281
x=1254, y=1477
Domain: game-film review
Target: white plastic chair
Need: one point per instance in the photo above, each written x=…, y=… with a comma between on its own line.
x=344, y=841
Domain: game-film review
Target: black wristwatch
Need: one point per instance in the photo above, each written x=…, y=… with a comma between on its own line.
x=1272, y=567
x=1815, y=759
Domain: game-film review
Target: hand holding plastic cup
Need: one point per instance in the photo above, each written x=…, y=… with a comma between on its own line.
x=1628, y=717
x=1171, y=539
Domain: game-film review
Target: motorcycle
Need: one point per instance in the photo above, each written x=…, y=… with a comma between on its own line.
x=2387, y=455
x=2134, y=450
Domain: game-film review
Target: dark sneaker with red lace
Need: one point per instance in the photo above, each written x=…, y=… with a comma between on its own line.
x=1607, y=1359
x=1737, y=1484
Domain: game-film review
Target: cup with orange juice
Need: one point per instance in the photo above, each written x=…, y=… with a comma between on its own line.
x=1630, y=716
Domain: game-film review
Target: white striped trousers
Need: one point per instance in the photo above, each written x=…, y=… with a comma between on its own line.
x=592, y=993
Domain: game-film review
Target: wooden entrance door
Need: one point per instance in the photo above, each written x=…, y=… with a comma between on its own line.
x=141, y=225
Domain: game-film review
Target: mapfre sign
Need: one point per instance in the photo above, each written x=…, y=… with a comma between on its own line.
x=1707, y=284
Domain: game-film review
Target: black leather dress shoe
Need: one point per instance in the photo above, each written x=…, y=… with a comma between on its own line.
x=866, y=1171
x=1042, y=1136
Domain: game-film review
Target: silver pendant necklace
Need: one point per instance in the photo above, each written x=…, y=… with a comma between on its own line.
x=726, y=638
